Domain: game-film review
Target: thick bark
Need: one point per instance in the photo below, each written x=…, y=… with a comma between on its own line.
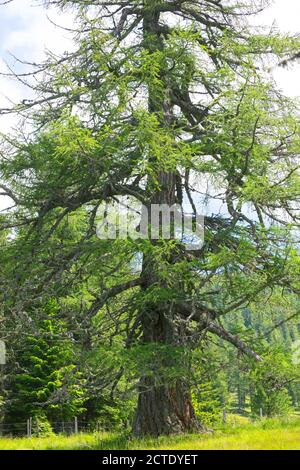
x=165, y=409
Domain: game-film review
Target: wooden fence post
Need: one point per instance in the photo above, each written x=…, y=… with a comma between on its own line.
x=76, y=425
x=29, y=427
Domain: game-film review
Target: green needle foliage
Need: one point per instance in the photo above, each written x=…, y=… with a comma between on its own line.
x=164, y=102
x=49, y=386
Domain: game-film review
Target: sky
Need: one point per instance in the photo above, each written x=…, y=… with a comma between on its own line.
x=26, y=32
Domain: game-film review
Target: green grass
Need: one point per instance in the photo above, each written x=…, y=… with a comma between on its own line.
x=261, y=435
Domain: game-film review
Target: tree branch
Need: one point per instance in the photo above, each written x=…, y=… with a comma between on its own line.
x=235, y=340
x=110, y=293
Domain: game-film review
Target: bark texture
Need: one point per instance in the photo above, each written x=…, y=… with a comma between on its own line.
x=164, y=410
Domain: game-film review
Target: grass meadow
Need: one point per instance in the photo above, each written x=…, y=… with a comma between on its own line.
x=266, y=434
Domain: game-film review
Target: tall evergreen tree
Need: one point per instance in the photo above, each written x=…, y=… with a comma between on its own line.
x=46, y=383
x=166, y=93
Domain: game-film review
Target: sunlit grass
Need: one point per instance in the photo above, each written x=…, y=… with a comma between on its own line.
x=261, y=435
x=58, y=442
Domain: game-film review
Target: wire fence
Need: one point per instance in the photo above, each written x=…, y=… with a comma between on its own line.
x=32, y=427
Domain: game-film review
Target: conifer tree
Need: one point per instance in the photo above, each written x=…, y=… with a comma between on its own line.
x=47, y=385
x=168, y=102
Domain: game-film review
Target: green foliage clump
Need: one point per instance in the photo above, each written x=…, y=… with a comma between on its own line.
x=117, y=414
x=48, y=385
x=270, y=382
x=41, y=427
x=207, y=405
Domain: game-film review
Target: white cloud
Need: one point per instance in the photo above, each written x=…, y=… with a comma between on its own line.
x=28, y=33
x=285, y=15
x=34, y=31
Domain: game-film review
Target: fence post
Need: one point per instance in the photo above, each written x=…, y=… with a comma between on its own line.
x=224, y=416
x=76, y=425
x=261, y=412
x=29, y=427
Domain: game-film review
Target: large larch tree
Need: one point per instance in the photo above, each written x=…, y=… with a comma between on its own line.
x=166, y=102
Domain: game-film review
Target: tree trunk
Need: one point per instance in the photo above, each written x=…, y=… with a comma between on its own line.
x=164, y=406
x=163, y=409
